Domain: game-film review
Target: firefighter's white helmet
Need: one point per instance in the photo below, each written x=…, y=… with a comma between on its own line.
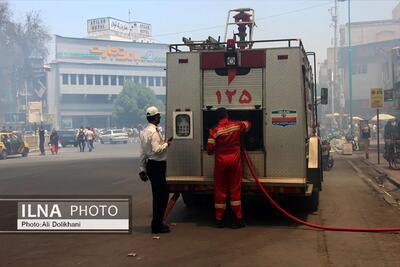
x=152, y=111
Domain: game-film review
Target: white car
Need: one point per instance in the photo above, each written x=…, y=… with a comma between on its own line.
x=114, y=136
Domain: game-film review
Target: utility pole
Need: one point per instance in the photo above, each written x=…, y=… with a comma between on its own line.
x=350, y=62
x=350, y=70
x=334, y=84
x=335, y=87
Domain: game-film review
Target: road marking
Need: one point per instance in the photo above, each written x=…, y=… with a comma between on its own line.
x=121, y=181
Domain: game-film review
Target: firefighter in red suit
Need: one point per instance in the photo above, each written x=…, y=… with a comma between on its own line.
x=224, y=140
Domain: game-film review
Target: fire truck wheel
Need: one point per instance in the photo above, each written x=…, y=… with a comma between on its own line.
x=311, y=203
x=321, y=166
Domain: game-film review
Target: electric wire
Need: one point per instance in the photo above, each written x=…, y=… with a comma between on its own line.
x=258, y=19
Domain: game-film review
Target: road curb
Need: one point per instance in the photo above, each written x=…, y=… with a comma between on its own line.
x=381, y=171
x=367, y=179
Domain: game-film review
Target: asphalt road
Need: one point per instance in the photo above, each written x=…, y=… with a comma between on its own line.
x=268, y=240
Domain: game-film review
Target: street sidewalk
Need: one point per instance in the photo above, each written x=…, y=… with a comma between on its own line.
x=394, y=175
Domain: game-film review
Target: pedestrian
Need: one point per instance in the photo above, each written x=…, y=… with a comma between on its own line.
x=387, y=135
x=54, y=140
x=135, y=135
x=81, y=139
x=41, y=140
x=224, y=140
x=366, y=135
x=153, y=165
x=89, y=134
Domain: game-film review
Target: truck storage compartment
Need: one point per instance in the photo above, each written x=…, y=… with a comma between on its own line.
x=253, y=139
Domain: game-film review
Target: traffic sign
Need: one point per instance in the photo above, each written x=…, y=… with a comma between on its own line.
x=388, y=95
x=376, y=98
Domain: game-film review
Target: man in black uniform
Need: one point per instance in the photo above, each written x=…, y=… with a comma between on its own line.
x=41, y=140
x=153, y=159
x=81, y=139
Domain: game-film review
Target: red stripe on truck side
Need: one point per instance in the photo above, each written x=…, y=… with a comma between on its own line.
x=212, y=60
x=252, y=58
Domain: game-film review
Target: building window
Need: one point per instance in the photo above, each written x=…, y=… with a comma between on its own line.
x=97, y=79
x=151, y=81
x=73, y=79
x=143, y=80
x=89, y=79
x=113, y=80
x=163, y=81
x=360, y=69
x=121, y=80
x=65, y=79
x=106, y=80
x=136, y=79
x=81, y=79
x=158, y=81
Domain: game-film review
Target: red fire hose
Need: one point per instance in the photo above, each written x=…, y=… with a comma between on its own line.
x=312, y=225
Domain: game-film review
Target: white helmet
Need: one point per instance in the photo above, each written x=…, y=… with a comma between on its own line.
x=152, y=111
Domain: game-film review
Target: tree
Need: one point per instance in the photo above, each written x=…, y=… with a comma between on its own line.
x=21, y=45
x=131, y=103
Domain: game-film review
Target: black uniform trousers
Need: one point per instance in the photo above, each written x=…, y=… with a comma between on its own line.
x=81, y=143
x=41, y=145
x=155, y=170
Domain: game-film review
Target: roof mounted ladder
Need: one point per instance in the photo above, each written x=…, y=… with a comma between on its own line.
x=243, y=18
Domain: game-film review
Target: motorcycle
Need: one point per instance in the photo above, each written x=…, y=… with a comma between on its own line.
x=392, y=154
x=354, y=142
x=327, y=158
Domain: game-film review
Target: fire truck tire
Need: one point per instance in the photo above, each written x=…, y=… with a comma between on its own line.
x=311, y=203
x=321, y=166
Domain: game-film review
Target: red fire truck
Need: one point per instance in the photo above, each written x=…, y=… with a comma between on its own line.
x=267, y=82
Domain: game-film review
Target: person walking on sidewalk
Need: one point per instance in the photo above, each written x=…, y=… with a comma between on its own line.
x=366, y=135
x=90, y=139
x=81, y=139
x=54, y=140
x=41, y=140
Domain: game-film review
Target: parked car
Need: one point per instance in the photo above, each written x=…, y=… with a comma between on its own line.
x=114, y=136
x=68, y=137
x=12, y=144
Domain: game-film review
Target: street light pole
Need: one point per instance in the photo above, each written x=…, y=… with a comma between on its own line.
x=350, y=73
x=350, y=56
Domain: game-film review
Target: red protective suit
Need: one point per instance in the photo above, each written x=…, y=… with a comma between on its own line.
x=224, y=139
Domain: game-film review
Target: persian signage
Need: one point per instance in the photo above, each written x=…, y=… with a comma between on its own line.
x=110, y=52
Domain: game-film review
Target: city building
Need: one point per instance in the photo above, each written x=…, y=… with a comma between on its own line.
x=119, y=30
x=368, y=62
x=391, y=76
x=371, y=42
x=87, y=75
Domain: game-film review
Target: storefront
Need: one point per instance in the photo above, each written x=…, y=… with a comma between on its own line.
x=88, y=74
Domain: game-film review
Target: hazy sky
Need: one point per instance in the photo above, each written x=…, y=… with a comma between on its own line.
x=309, y=20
